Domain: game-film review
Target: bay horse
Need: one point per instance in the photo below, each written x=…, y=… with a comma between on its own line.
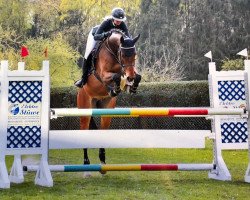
x=115, y=60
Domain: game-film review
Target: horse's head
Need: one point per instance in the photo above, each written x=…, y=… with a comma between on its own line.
x=122, y=50
x=128, y=56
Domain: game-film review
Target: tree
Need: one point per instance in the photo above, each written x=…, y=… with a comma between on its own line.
x=190, y=28
x=45, y=18
x=14, y=16
x=63, y=59
x=160, y=50
x=78, y=17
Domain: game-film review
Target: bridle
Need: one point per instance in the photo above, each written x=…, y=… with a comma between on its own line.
x=118, y=55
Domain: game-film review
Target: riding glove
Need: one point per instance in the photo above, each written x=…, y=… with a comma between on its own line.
x=107, y=34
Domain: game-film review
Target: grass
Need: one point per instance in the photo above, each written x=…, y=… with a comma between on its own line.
x=138, y=185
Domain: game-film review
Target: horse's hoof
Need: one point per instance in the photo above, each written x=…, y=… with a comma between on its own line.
x=103, y=172
x=87, y=174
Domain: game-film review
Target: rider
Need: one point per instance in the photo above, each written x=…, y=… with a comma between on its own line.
x=115, y=21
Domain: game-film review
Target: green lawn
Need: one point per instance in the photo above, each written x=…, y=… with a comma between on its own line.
x=138, y=185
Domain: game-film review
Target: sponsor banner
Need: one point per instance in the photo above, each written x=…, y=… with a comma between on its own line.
x=24, y=114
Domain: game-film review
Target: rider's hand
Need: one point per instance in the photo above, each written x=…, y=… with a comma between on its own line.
x=107, y=34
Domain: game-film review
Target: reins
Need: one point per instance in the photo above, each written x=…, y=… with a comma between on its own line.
x=118, y=58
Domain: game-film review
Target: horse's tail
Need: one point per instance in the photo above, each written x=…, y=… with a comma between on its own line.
x=92, y=124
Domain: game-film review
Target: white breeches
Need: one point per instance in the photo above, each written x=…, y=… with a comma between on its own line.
x=90, y=44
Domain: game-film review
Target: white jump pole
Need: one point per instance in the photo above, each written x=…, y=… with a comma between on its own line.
x=247, y=77
x=4, y=178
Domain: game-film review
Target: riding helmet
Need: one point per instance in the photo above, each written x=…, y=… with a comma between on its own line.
x=118, y=14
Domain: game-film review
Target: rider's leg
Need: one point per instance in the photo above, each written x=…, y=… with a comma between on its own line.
x=89, y=47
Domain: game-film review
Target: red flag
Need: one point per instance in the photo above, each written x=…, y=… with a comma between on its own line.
x=46, y=52
x=24, y=51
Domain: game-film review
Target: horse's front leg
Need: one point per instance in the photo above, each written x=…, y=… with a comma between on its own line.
x=117, y=80
x=114, y=78
x=135, y=85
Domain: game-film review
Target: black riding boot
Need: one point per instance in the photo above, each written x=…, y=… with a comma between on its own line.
x=80, y=83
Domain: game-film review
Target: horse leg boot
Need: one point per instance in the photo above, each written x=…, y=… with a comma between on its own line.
x=136, y=83
x=80, y=83
x=117, y=89
x=86, y=162
x=102, y=158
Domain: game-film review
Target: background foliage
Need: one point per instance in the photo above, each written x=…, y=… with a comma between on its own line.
x=175, y=34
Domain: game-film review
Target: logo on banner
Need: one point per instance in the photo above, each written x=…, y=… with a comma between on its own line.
x=14, y=109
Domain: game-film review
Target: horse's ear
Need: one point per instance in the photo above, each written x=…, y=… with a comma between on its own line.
x=122, y=40
x=136, y=38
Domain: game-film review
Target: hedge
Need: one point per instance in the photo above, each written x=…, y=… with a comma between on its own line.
x=172, y=94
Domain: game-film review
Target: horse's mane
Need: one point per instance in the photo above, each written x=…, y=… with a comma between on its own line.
x=115, y=30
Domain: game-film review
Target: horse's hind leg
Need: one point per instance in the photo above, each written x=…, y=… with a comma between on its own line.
x=84, y=124
x=105, y=124
x=86, y=161
x=86, y=157
x=84, y=101
x=102, y=156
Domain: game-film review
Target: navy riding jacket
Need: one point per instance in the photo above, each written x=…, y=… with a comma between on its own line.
x=108, y=25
